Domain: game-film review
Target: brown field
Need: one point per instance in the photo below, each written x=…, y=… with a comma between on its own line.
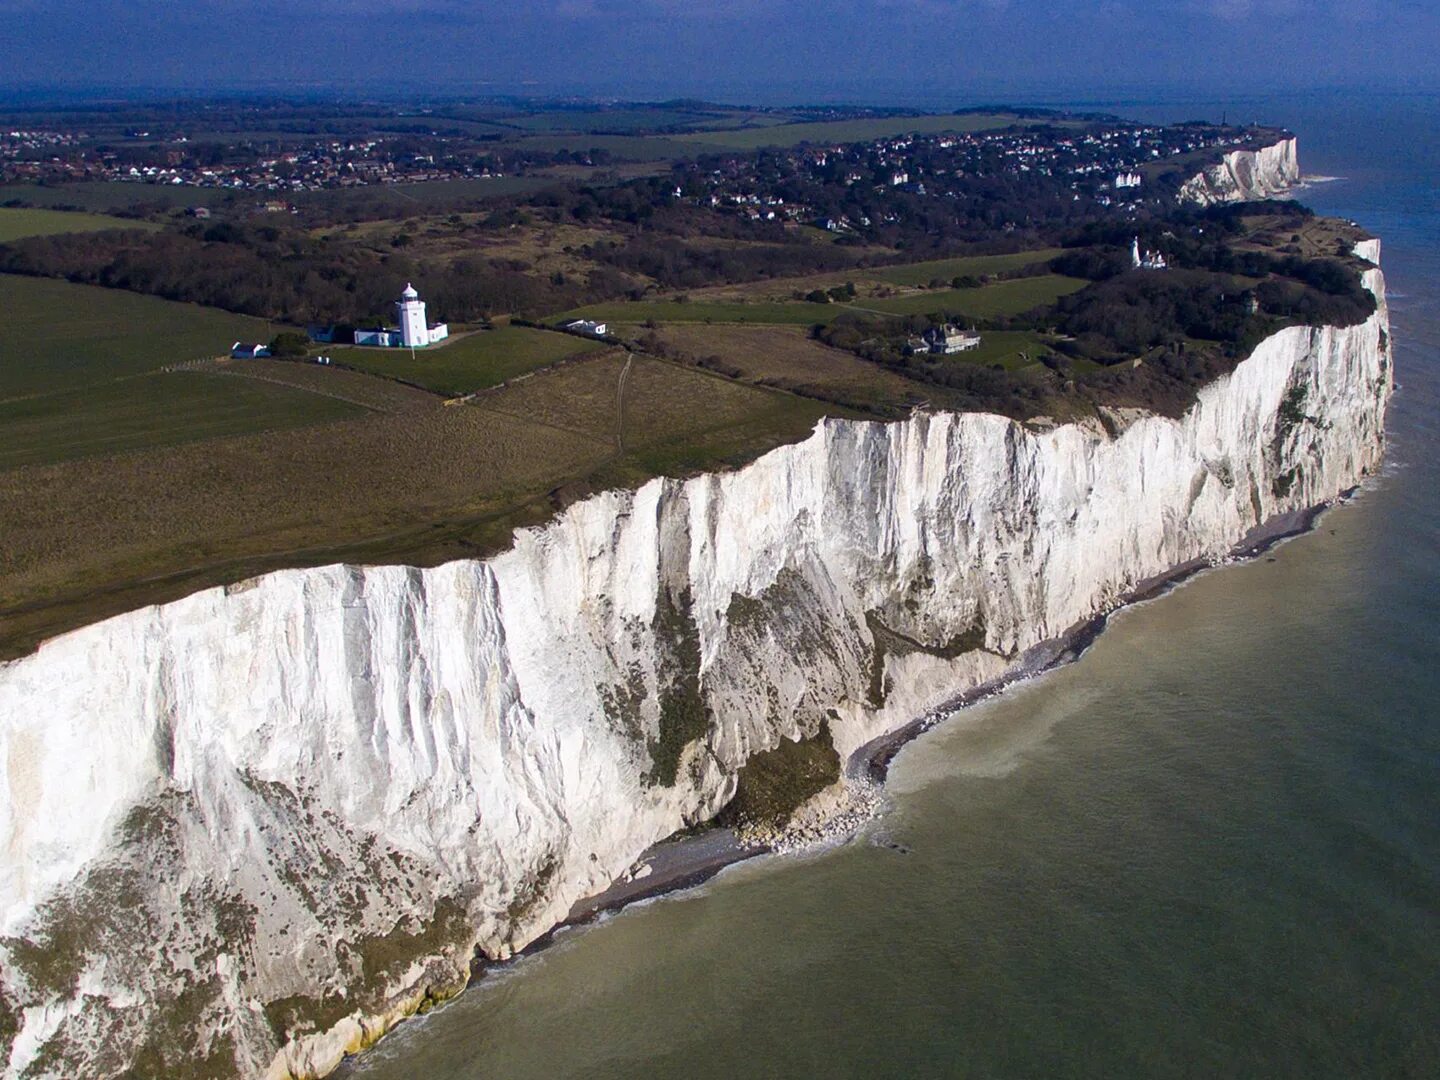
x=787, y=357
x=91, y=538
x=367, y=391
x=439, y=239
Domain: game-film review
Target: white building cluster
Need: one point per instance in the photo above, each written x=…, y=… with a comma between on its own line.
x=1146, y=260
x=414, y=332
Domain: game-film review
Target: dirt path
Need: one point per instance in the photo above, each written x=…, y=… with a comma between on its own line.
x=620, y=403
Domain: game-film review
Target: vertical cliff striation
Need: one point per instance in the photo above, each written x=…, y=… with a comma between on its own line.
x=247, y=831
x=1246, y=174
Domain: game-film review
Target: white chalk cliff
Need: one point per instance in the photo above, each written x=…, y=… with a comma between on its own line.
x=250, y=829
x=1246, y=174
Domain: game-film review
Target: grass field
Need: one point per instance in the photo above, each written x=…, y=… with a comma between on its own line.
x=89, y=538
x=627, y=147
x=1011, y=349
x=842, y=131
x=16, y=222
x=785, y=356
x=474, y=362
x=61, y=336
x=1001, y=298
x=400, y=200
x=101, y=196
x=922, y=273
x=160, y=409
x=798, y=313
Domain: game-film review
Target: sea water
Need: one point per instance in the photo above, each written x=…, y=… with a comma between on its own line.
x=1211, y=848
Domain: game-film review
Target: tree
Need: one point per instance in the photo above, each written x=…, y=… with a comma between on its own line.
x=290, y=343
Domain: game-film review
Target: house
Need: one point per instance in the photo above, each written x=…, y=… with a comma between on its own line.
x=945, y=340
x=586, y=326
x=1127, y=180
x=241, y=351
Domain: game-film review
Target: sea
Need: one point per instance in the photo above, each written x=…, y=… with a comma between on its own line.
x=1210, y=848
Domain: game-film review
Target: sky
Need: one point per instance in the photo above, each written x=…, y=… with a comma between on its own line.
x=763, y=51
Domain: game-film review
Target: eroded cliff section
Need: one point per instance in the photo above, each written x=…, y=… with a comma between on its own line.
x=247, y=831
x=1246, y=174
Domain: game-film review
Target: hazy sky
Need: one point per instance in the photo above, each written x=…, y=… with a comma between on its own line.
x=740, y=49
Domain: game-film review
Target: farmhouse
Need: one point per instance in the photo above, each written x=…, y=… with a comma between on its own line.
x=242, y=351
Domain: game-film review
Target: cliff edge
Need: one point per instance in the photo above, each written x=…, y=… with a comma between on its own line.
x=249, y=830
x=1246, y=174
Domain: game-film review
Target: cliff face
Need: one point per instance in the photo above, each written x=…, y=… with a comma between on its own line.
x=1246, y=174
x=249, y=829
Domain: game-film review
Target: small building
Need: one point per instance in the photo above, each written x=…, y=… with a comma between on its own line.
x=378, y=337
x=587, y=327
x=200, y=213
x=1128, y=180
x=242, y=351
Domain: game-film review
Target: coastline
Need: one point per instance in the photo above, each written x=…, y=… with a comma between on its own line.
x=683, y=862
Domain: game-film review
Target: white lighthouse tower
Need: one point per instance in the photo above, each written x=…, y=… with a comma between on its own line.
x=414, y=330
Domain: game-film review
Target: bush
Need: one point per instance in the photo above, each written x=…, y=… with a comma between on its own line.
x=290, y=344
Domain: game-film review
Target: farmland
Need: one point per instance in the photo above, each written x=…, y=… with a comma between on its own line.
x=798, y=313
x=472, y=362
x=16, y=222
x=922, y=273
x=96, y=536
x=159, y=409
x=1000, y=298
x=842, y=131
x=785, y=356
x=62, y=336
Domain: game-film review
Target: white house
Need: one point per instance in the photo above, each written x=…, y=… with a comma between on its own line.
x=945, y=340
x=242, y=351
x=1127, y=180
x=587, y=327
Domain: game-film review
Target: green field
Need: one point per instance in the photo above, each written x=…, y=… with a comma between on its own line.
x=484, y=358
x=621, y=120
x=843, y=131
x=1011, y=349
x=625, y=147
x=61, y=336
x=17, y=222
x=922, y=273
x=412, y=199
x=1001, y=298
x=158, y=409
x=798, y=313
x=102, y=196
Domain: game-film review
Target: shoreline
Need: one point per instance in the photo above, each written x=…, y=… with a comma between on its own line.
x=872, y=760
x=676, y=864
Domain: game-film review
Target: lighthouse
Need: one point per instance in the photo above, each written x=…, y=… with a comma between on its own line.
x=414, y=330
